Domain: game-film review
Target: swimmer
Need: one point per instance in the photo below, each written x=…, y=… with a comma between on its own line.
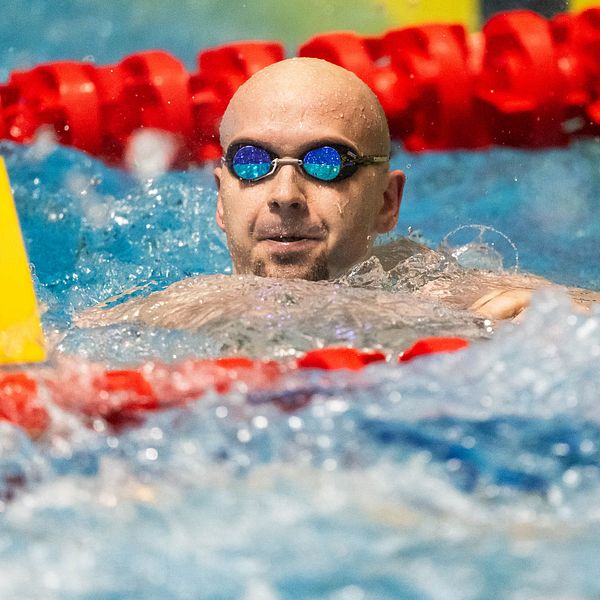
x=290, y=222
x=304, y=187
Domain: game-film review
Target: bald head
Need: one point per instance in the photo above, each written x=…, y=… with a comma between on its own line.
x=317, y=87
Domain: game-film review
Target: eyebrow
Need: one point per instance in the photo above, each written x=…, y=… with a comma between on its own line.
x=327, y=141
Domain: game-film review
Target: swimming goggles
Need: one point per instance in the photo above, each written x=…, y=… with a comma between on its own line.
x=329, y=162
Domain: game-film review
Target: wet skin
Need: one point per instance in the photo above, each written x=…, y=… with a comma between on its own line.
x=289, y=224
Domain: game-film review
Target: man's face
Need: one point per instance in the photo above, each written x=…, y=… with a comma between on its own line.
x=288, y=224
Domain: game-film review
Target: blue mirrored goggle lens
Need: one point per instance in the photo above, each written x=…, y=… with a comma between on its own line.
x=323, y=163
x=251, y=162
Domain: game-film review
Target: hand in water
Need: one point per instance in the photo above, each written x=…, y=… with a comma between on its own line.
x=509, y=302
x=506, y=303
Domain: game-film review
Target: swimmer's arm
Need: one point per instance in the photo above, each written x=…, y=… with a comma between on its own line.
x=497, y=296
x=504, y=303
x=510, y=301
x=492, y=295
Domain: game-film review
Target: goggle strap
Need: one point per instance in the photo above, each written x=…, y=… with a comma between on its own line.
x=369, y=160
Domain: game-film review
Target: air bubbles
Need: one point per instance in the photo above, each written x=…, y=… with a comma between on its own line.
x=244, y=435
x=99, y=425
x=587, y=447
x=151, y=454
x=260, y=422
x=295, y=423
x=156, y=433
x=571, y=478
x=561, y=449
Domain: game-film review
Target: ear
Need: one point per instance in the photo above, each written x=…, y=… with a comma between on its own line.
x=219, y=215
x=392, y=197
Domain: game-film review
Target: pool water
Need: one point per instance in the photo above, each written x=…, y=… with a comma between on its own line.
x=467, y=475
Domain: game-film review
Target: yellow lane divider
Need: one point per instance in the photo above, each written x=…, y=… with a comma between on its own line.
x=21, y=337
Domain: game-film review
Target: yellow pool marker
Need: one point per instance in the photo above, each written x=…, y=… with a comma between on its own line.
x=21, y=337
x=403, y=13
x=579, y=5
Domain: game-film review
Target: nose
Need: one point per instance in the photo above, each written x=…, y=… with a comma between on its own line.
x=287, y=194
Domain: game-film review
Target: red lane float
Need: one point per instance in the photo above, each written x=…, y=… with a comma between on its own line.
x=432, y=345
x=62, y=95
x=523, y=81
x=220, y=72
x=576, y=40
x=146, y=90
x=124, y=396
x=436, y=60
x=521, y=84
x=19, y=403
x=331, y=359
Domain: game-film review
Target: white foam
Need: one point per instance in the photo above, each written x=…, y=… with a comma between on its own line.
x=150, y=152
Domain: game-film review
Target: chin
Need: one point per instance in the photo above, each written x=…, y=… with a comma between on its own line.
x=316, y=270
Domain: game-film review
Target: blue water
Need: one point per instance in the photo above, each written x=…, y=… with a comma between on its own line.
x=473, y=475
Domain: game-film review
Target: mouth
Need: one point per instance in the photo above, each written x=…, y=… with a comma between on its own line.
x=283, y=235
x=288, y=239
x=286, y=244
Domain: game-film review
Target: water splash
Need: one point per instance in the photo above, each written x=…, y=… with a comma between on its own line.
x=462, y=460
x=481, y=247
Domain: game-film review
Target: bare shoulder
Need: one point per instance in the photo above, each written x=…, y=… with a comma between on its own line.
x=396, y=251
x=188, y=302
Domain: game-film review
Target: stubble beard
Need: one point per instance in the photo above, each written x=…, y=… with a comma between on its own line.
x=288, y=268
